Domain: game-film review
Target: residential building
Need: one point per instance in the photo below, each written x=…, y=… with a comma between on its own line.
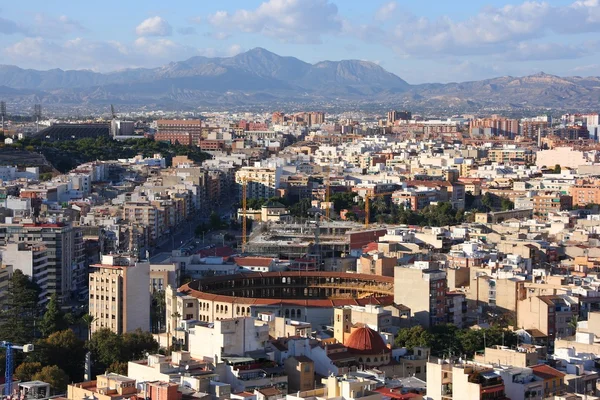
x=550, y=314
x=341, y=388
x=173, y=130
x=119, y=296
x=552, y=378
x=66, y=269
x=261, y=183
x=301, y=373
x=423, y=290
x=462, y=380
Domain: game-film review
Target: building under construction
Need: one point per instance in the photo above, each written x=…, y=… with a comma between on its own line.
x=325, y=239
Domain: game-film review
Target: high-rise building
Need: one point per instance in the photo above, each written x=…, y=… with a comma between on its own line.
x=188, y=132
x=119, y=294
x=423, y=290
x=261, y=183
x=497, y=126
x=65, y=272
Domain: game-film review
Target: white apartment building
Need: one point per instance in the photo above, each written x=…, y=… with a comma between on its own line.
x=261, y=182
x=119, y=296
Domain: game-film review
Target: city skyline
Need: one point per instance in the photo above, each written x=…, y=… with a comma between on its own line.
x=432, y=41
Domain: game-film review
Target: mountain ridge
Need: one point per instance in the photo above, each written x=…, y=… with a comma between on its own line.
x=262, y=76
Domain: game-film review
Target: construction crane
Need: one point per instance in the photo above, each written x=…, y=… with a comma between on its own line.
x=367, y=210
x=8, y=374
x=244, y=205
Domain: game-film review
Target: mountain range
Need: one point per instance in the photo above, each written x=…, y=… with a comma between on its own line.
x=262, y=77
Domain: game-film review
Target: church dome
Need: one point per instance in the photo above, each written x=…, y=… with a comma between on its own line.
x=365, y=340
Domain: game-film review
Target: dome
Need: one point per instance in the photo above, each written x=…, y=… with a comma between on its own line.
x=365, y=340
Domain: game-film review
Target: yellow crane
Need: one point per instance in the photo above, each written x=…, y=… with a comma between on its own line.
x=367, y=210
x=244, y=205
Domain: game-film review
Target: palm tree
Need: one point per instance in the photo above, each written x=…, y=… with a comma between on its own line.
x=175, y=315
x=88, y=319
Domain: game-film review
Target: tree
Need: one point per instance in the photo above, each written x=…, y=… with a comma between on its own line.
x=53, y=319
x=488, y=201
x=88, y=319
x=506, y=204
x=18, y=316
x=557, y=169
x=56, y=377
x=415, y=336
x=52, y=351
x=343, y=200
x=157, y=310
x=573, y=322
x=105, y=346
x=25, y=371
x=300, y=209
x=118, y=368
x=136, y=344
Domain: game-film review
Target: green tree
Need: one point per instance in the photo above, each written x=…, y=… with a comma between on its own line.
x=488, y=201
x=573, y=322
x=557, y=169
x=446, y=340
x=300, y=209
x=118, y=367
x=136, y=344
x=105, y=346
x=25, y=371
x=506, y=204
x=87, y=320
x=342, y=200
x=157, y=310
x=18, y=316
x=53, y=375
x=53, y=319
x=52, y=350
x=416, y=336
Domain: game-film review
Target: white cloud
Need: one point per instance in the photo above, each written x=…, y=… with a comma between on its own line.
x=9, y=27
x=385, y=12
x=48, y=26
x=218, y=35
x=154, y=26
x=493, y=30
x=80, y=53
x=230, y=51
x=293, y=21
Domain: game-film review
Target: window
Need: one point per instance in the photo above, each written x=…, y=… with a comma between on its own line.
x=418, y=370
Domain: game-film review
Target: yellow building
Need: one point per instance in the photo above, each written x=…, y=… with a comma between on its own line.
x=119, y=295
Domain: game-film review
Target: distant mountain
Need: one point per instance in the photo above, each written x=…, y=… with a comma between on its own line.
x=262, y=77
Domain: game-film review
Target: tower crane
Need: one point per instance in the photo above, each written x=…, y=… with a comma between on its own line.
x=367, y=210
x=244, y=206
x=8, y=374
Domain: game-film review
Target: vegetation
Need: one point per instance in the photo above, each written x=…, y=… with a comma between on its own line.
x=20, y=311
x=450, y=340
x=68, y=154
x=56, y=377
x=108, y=348
x=53, y=319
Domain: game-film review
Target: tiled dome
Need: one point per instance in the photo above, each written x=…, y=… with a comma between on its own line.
x=365, y=340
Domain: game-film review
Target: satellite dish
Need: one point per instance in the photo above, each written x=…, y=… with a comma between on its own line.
x=187, y=367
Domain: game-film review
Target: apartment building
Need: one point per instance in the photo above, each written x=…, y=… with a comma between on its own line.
x=585, y=191
x=459, y=380
x=545, y=203
x=549, y=314
x=65, y=270
x=423, y=290
x=119, y=296
x=188, y=132
x=376, y=263
x=261, y=183
x=33, y=260
x=145, y=214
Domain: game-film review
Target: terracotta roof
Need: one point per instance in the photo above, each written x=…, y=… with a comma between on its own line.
x=253, y=261
x=366, y=341
x=397, y=394
x=270, y=391
x=370, y=247
x=546, y=372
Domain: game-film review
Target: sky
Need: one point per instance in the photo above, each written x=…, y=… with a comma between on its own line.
x=420, y=41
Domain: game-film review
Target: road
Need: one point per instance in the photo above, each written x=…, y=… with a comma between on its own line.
x=185, y=232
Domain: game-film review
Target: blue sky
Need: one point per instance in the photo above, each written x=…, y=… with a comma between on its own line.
x=421, y=41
